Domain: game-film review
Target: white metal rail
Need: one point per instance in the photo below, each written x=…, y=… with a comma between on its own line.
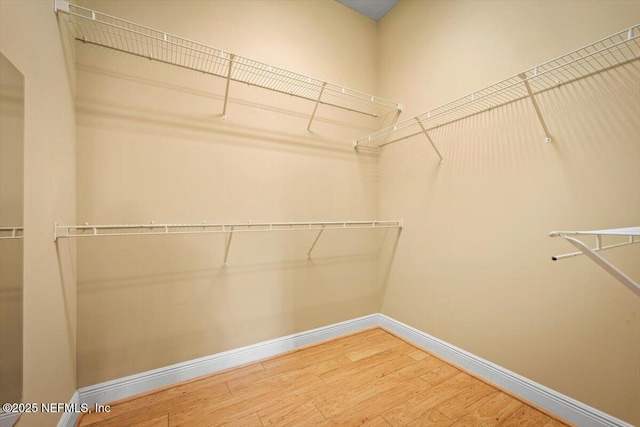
x=630, y=232
x=108, y=31
x=73, y=231
x=11, y=233
x=612, y=51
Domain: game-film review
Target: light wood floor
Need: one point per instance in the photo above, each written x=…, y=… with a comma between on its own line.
x=371, y=378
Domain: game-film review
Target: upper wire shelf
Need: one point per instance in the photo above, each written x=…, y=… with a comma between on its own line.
x=11, y=233
x=612, y=51
x=104, y=30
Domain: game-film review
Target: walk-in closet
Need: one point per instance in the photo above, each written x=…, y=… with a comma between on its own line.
x=319, y=212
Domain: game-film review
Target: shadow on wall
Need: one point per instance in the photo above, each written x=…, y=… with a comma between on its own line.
x=484, y=140
x=138, y=312
x=191, y=106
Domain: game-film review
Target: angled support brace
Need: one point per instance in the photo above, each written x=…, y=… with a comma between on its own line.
x=547, y=134
x=314, y=242
x=315, y=108
x=226, y=91
x=606, y=265
x=430, y=141
x=226, y=252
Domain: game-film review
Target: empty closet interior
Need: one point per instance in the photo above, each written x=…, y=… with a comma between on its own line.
x=203, y=176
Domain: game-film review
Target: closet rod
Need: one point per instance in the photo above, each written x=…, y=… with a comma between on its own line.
x=86, y=230
x=100, y=29
x=7, y=233
x=609, y=52
x=630, y=232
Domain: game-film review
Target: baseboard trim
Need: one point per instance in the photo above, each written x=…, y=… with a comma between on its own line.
x=69, y=419
x=557, y=403
x=550, y=400
x=8, y=419
x=135, y=384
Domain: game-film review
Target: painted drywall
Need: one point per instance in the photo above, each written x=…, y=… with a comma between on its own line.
x=473, y=265
x=152, y=146
x=11, y=202
x=29, y=38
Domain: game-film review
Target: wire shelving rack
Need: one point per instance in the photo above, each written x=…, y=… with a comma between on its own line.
x=86, y=230
x=631, y=233
x=11, y=233
x=615, y=50
x=100, y=29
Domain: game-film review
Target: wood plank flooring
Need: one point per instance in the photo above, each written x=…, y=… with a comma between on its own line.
x=371, y=378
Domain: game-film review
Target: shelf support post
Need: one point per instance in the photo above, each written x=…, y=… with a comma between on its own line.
x=226, y=252
x=315, y=108
x=547, y=134
x=429, y=139
x=606, y=265
x=226, y=91
x=314, y=242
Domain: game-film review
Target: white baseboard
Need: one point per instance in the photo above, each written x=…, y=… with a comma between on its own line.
x=8, y=419
x=563, y=406
x=557, y=403
x=135, y=384
x=69, y=419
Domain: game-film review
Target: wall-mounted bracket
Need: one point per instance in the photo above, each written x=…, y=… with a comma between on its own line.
x=61, y=5
x=547, y=134
x=226, y=89
x=313, y=245
x=226, y=251
x=315, y=108
x=430, y=141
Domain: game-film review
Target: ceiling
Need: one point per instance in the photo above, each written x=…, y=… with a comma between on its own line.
x=374, y=9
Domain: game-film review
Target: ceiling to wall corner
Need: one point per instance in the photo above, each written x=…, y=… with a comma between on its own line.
x=374, y=9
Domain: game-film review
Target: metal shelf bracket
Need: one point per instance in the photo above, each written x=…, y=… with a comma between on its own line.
x=430, y=140
x=315, y=108
x=226, y=89
x=523, y=76
x=313, y=245
x=226, y=251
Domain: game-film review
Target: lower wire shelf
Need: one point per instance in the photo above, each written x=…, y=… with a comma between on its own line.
x=86, y=230
x=11, y=233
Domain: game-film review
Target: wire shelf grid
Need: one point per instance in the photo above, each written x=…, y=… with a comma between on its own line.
x=11, y=233
x=69, y=231
x=107, y=31
x=612, y=51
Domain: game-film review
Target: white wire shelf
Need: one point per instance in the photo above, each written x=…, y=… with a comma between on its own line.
x=73, y=231
x=612, y=51
x=114, y=33
x=11, y=233
x=630, y=232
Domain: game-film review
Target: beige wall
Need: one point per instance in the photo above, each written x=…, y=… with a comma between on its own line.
x=29, y=38
x=153, y=147
x=11, y=202
x=473, y=265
